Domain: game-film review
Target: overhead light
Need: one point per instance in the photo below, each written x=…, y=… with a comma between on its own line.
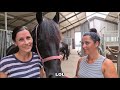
x=98, y=14
x=8, y=16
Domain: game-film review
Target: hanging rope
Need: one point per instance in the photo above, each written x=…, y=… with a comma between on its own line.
x=113, y=50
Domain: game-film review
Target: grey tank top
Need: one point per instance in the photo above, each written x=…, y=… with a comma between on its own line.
x=93, y=70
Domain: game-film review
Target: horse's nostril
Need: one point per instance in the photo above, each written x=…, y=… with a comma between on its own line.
x=51, y=76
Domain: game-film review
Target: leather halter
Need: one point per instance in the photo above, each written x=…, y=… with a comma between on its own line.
x=48, y=58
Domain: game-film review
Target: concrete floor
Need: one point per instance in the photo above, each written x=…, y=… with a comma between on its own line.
x=69, y=66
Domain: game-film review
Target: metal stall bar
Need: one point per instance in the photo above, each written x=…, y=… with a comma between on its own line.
x=118, y=61
x=3, y=38
x=1, y=51
x=2, y=41
x=5, y=41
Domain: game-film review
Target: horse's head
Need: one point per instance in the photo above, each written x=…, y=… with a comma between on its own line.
x=46, y=35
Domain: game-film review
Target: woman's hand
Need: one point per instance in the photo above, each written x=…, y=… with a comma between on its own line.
x=42, y=73
x=3, y=75
x=61, y=57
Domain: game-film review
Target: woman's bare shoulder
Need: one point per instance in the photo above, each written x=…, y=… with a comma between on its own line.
x=107, y=61
x=80, y=59
x=109, y=69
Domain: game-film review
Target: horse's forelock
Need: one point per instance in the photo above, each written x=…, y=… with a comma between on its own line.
x=49, y=31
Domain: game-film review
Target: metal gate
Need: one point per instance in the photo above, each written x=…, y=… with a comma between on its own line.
x=5, y=41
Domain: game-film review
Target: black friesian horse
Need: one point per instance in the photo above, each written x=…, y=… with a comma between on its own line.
x=46, y=41
x=64, y=50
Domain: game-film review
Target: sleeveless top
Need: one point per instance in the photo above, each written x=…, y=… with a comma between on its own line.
x=93, y=70
x=15, y=68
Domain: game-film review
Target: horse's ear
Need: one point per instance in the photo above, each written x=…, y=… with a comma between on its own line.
x=56, y=18
x=39, y=17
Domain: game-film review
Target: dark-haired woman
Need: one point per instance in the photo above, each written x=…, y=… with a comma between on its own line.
x=24, y=63
x=94, y=65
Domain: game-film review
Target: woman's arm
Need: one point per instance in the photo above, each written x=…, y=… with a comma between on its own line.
x=109, y=70
x=78, y=64
x=3, y=75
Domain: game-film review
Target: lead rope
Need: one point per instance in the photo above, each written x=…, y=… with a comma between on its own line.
x=37, y=49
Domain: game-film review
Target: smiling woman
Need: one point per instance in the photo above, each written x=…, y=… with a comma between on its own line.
x=24, y=63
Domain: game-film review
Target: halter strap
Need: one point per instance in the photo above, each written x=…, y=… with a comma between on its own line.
x=51, y=58
x=36, y=45
x=48, y=58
